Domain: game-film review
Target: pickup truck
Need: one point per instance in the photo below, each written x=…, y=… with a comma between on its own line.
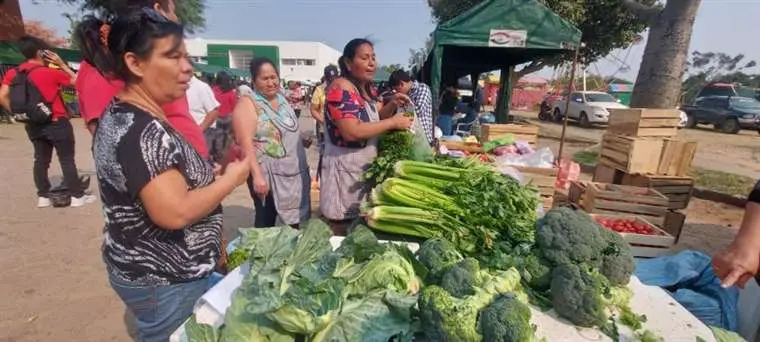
x=728, y=114
x=588, y=107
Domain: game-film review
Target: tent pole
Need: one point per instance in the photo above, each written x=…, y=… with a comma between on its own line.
x=570, y=87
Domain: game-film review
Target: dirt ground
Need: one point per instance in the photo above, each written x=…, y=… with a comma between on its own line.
x=733, y=153
x=54, y=286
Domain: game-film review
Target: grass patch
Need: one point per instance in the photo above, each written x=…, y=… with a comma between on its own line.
x=586, y=157
x=724, y=182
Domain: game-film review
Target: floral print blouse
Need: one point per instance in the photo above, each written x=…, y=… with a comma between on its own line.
x=344, y=104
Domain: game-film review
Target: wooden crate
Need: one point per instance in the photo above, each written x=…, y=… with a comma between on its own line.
x=673, y=224
x=560, y=198
x=521, y=131
x=576, y=191
x=462, y=146
x=601, y=198
x=542, y=178
x=607, y=174
x=631, y=155
x=644, y=122
x=676, y=189
x=676, y=157
x=642, y=245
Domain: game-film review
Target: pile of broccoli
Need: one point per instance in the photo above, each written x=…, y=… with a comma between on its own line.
x=463, y=303
x=590, y=267
x=575, y=266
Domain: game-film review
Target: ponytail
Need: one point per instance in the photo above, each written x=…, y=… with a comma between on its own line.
x=91, y=36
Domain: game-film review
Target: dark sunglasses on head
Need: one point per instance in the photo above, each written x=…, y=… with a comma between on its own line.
x=153, y=15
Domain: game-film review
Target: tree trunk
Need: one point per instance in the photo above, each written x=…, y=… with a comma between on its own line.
x=658, y=84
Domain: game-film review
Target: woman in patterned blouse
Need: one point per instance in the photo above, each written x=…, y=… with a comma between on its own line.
x=353, y=122
x=161, y=201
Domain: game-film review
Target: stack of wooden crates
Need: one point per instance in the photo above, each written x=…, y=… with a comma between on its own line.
x=640, y=149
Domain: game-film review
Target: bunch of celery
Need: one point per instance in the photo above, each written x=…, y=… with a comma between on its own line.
x=471, y=207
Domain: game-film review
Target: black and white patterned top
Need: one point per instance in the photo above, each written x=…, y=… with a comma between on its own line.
x=130, y=148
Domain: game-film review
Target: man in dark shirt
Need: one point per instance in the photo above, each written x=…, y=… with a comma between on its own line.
x=449, y=101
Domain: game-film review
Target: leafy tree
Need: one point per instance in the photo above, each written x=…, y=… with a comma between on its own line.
x=716, y=67
x=38, y=29
x=606, y=25
x=391, y=68
x=190, y=12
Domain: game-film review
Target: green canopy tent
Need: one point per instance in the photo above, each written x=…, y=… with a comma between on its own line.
x=10, y=55
x=496, y=34
x=215, y=69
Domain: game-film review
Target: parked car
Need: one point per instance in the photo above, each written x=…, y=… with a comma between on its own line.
x=588, y=107
x=729, y=114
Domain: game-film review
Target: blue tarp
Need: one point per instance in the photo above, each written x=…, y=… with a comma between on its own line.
x=690, y=279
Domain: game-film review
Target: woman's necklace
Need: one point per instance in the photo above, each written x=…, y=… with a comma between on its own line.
x=141, y=101
x=287, y=121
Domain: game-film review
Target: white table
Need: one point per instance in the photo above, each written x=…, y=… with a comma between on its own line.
x=665, y=317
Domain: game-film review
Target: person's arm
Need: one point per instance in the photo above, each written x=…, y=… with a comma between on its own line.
x=345, y=113
x=53, y=58
x=151, y=175
x=211, y=106
x=171, y=205
x=740, y=260
x=425, y=113
x=209, y=119
x=244, y=122
x=317, y=106
x=5, y=100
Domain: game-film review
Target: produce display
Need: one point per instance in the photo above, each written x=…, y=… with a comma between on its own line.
x=298, y=286
x=626, y=226
x=473, y=206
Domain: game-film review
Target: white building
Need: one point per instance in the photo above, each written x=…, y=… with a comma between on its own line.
x=299, y=61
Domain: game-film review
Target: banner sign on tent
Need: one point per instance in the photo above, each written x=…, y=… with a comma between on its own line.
x=508, y=38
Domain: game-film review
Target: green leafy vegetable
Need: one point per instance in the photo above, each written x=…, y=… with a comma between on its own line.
x=197, y=332
x=392, y=146
x=237, y=258
x=648, y=336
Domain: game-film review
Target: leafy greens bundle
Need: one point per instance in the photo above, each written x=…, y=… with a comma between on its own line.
x=299, y=286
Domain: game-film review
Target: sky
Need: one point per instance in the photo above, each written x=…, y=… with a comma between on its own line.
x=396, y=26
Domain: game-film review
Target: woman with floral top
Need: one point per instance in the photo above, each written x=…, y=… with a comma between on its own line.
x=266, y=128
x=353, y=122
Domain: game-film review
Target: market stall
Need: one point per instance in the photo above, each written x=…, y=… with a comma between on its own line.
x=495, y=34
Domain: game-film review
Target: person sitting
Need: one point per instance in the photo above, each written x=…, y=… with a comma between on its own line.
x=449, y=101
x=161, y=199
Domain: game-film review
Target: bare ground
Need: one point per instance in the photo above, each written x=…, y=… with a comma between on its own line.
x=54, y=285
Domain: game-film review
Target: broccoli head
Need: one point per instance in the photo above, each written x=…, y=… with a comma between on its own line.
x=507, y=319
x=438, y=255
x=617, y=259
x=578, y=295
x=566, y=236
x=461, y=279
x=446, y=318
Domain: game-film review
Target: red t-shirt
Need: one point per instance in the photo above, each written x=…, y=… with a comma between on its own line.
x=178, y=114
x=227, y=101
x=93, y=103
x=48, y=81
x=94, y=91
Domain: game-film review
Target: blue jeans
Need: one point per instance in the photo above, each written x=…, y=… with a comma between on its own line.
x=444, y=123
x=159, y=310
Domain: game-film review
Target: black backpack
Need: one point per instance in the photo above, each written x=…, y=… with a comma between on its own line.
x=27, y=103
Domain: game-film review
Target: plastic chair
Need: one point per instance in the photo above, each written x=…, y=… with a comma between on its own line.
x=463, y=129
